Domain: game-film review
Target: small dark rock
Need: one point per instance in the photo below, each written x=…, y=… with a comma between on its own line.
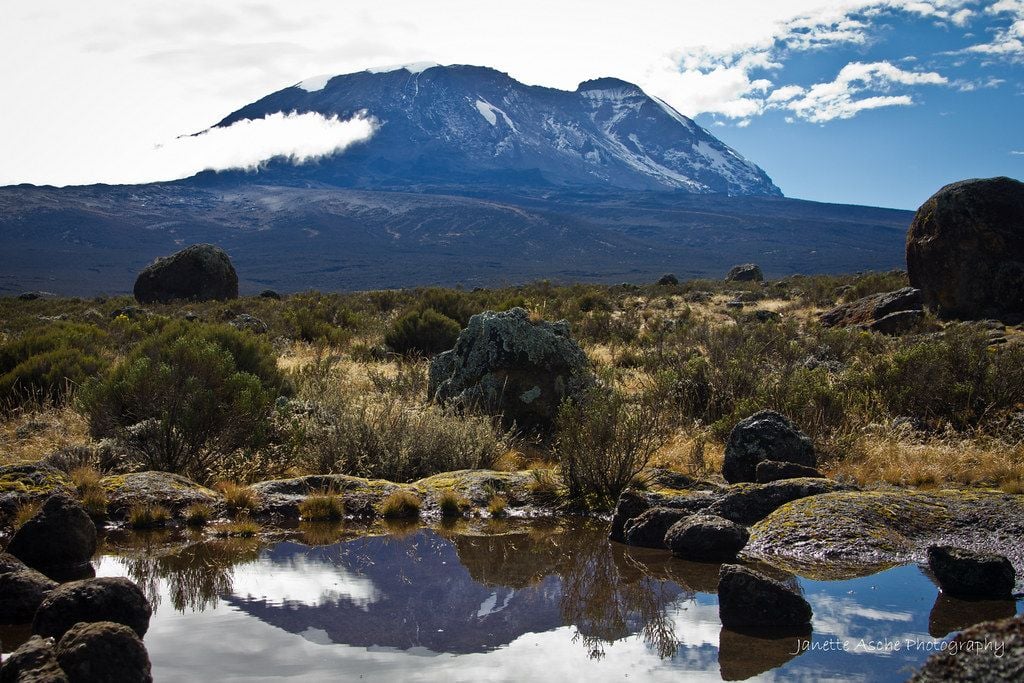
x=201, y=272
x=21, y=593
x=648, y=529
x=59, y=537
x=34, y=662
x=735, y=303
x=114, y=599
x=766, y=435
x=103, y=652
x=748, y=599
x=773, y=470
x=765, y=316
x=668, y=279
x=970, y=574
x=631, y=504
x=706, y=538
x=897, y=323
x=245, y=321
x=750, y=503
x=746, y=272
x=270, y=294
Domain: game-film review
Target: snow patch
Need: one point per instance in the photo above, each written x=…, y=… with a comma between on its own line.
x=490, y=112
x=315, y=83
x=412, y=67
x=673, y=113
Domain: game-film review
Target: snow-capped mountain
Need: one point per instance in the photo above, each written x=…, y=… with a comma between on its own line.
x=477, y=127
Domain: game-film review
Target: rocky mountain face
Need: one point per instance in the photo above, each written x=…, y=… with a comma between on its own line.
x=474, y=126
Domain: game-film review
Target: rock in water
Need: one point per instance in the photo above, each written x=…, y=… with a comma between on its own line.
x=103, y=652
x=60, y=537
x=114, y=599
x=748, y=599
x=706, y=538
x=766, y=435
x=876, y=311
x=629, y=506
x=970, y=574
x=965, y=250
x=746, y=272
x=21, y=593
x=990, y=651
x=33, y=662
x=202, y=272
x=508, y=363
x=648, y=529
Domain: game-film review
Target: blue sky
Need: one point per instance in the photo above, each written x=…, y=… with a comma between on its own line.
x=876, y=102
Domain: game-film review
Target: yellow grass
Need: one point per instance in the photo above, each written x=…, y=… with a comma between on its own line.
x=29, y=436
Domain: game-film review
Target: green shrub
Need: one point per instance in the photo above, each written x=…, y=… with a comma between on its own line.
x=315, y=317
x=422, y=333
x=50, y=363
x=186, y=394
x=605, y=439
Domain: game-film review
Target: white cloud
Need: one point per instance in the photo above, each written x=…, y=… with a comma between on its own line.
x=846, y=96
x=1017, y=152
x=1008, y=41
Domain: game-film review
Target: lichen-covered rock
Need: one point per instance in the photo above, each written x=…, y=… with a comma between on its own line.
x=201, y=272
x=281, y=497
x=60, y=537
x=745, y=272
x=706, y=538
x=990, y=651
x=750, y=503
x=507, y=363
x=28, y=482
x=970, y=574
x=887, y=527
x=768, y=471
x=168, y=490
x=244, y=321
x=897, y=323
x=34, y=662
x=965, y=250
x=648, y=529
x=103, y=652
x=747, y=599
x=871, y=309
x=765, y=435
x=114, y=599
x=21, y=593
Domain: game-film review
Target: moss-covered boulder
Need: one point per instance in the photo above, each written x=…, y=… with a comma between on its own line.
x=282, y=497
x=29, y=482
x=171, y=491
x=477, y=486
x=884, y=527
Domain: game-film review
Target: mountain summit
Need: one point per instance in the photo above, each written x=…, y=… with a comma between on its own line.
x=475, y=127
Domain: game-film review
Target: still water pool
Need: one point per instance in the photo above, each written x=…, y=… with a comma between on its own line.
x=486, y=600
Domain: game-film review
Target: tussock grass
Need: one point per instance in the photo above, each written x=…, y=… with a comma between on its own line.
x=401, y=505
x=497, y=506
x=148, y=517
x=239, y=528
x=322, y=507
x=25, y=512
x=238, y=498
x=197, y=514
x=451, y=504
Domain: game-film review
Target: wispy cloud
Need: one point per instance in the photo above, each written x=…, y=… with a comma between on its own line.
x=1017, y=152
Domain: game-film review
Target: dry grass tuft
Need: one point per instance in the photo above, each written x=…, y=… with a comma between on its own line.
x=148, y=517
x=198, y=514
x=33, y=434
x=322, y=507
x=497, y=507
x=25, y=512
x=400, y=505
x=451, y=504
x=238, y=498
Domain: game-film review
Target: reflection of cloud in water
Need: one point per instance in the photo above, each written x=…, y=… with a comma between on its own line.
x=695, y=624
x=304, y=581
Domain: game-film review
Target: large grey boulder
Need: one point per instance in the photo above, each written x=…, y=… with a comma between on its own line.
x=57, y=540
x=747, y=599
x=507, y=363
x=103, y=652
x=114, y=599
x=201, y=272
x=766, y=435
x=745, y=272
x=965, y=250
x=888, y=312
x=971, y=574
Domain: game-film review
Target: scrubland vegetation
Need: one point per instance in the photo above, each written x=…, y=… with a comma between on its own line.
x=338, y=384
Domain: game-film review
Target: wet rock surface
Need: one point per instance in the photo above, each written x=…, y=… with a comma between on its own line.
x=990, y=651
x=765, y=435
x=886, y=527
x=103, y=599
x=706, y=538
x=969, y=574
x=507, y=363
x=750, y=503
x=750, y=600
x=201, y=272
x=103, y=652
x=965, y=250
x=60, y=537
x=648, y=529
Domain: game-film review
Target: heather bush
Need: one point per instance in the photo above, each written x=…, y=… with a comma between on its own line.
x=423, y=333
x=49, y=363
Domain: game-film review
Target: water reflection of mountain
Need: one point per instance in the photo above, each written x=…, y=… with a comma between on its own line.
x=459, y=595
